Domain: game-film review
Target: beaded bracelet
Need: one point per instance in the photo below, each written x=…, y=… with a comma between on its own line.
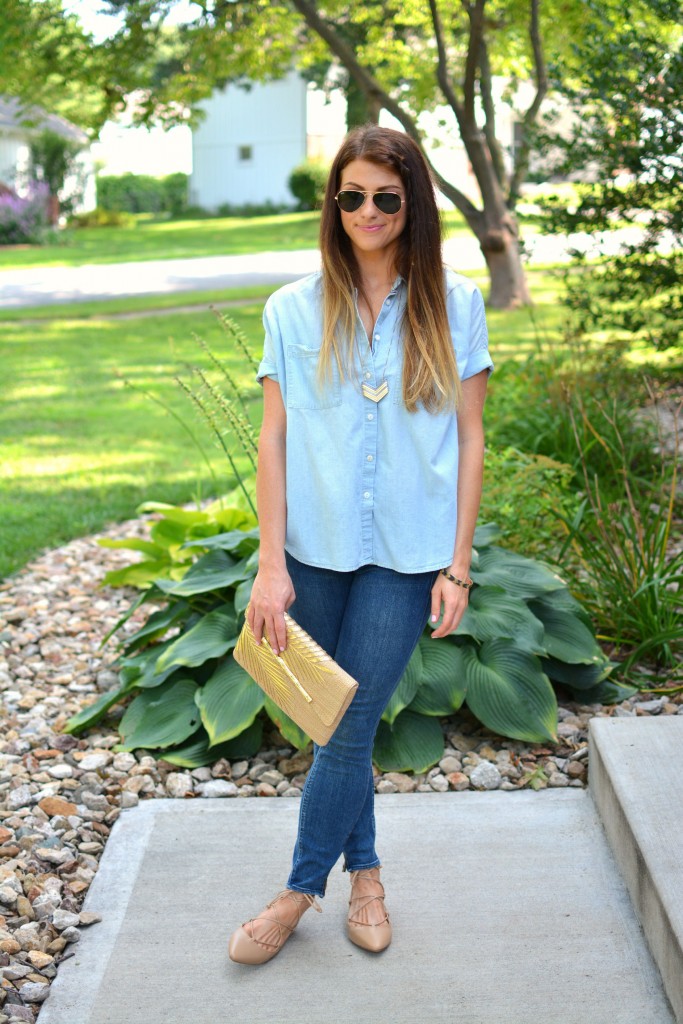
x=465, y=584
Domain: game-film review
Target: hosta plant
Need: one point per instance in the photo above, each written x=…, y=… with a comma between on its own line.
x=192, y=703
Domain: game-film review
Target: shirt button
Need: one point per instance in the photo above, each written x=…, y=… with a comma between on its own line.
x=369, y=458
x=368, y=375
x=370, y=416
x=377, y=337
x=366, y=494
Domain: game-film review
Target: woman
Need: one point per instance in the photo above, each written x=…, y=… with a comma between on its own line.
x=369, y=480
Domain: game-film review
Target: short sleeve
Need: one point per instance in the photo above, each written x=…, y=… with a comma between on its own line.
x=477, y=354
x=271, y=361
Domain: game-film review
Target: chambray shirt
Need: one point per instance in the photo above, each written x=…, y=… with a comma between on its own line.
x=367, y=483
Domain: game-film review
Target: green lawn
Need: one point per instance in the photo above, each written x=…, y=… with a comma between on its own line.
x=80, y=449
x=176, y=239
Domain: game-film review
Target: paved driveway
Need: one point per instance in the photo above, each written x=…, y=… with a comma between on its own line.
x=34, y=286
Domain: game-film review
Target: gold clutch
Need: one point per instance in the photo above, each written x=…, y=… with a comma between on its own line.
x=304, y=681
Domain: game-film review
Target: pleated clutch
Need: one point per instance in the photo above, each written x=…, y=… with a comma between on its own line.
x=304, y=681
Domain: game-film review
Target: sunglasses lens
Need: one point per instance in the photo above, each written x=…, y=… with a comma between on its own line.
x=387, y=202
x=348, y=201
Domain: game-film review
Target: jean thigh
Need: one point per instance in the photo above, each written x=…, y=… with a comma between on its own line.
x=321, y=597
x=386, y=613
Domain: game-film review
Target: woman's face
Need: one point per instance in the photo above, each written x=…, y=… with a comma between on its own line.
x=370, y=230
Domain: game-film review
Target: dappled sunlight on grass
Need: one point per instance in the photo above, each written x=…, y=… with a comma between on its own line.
x=173, y=239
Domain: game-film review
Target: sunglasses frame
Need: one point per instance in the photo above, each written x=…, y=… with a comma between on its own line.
x=360, y=192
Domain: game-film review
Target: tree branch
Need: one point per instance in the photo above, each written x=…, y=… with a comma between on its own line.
x=377, y=95
x=541, y=76
x=476, y=16
x=485, y=83
x=443, y=78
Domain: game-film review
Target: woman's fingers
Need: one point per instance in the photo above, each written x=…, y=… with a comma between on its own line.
x=453, y=602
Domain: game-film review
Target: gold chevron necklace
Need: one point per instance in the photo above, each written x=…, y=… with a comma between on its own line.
x=377, y=394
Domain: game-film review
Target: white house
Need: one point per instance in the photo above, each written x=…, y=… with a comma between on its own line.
x=17, y=126
x=251, y=139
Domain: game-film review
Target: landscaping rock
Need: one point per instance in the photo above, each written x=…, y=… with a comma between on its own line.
x=485, y=776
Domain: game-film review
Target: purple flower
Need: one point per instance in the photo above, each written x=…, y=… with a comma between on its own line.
x=24, y=218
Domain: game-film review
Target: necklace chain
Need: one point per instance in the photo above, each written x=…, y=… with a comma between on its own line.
x=377, y=394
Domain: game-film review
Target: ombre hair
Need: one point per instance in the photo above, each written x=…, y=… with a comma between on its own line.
x=430, y=374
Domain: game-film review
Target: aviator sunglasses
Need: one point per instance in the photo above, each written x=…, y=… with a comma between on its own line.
x=350, y=200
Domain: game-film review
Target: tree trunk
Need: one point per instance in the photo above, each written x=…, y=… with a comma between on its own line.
x=53, y=210
x=509, y=287
x=360, y=109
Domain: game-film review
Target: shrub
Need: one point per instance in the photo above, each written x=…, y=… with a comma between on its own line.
x=99, y=218
x=622, y=560
x=193, y=702
x=24, y=219
x=266, y=209
x=142, y=193
x=307, y=183
x=524, y=493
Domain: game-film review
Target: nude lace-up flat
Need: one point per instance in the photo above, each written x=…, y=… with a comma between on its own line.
x=270, y=933
x=368, y=934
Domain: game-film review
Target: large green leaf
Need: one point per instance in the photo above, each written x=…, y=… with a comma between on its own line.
x=213, y=571
x=139, y=574
x=229, y=701
x=134, y=544
x=170, y=536
x=197, y=751
x=491, y=613
x=243, y=595
x=564, y=600
x=486, y=534
x=175, y=514
x=241, y=541
x=289, y=729
x=406, y=689
x=92, y=713
x=577, y=677
x=607, y=692
x=211, y=637
x=566, y=637
x=517, y=575
x=508, y=691
x=413, y=743
x=231, y=518
x=161, y=717
x=442, y=689
x=158, y=623
x=141, y=667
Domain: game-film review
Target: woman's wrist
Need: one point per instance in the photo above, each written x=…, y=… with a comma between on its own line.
x=272, y=561
x=459, y=567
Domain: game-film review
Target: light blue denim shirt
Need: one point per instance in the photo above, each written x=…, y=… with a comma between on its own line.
x=367, y=483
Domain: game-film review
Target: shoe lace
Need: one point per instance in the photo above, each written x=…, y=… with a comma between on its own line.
x=303, y=900
x=365, y=899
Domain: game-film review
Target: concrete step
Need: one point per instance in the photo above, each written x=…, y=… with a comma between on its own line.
x=506, y=907
x=635, y=781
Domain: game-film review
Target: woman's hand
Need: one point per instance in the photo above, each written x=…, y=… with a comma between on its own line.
x=271, y=596
x=452, y=600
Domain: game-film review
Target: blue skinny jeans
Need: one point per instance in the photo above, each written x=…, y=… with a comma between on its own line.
x=369, y=621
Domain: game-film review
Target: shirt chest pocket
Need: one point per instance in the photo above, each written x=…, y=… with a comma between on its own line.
x=304, y=390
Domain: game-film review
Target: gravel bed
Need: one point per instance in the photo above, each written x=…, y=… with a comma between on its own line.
x=60, y=794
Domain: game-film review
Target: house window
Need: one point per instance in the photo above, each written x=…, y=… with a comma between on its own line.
x=245, y=153
x=517, y=138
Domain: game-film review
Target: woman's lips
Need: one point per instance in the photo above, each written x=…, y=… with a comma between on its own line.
x=370, y=228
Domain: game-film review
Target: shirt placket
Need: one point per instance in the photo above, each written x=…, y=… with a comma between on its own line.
x=372, y=370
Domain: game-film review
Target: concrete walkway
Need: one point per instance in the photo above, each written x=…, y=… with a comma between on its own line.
x=506, y=907
x=34, y=286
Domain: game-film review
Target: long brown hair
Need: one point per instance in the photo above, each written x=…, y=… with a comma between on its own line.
x=430, y=374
